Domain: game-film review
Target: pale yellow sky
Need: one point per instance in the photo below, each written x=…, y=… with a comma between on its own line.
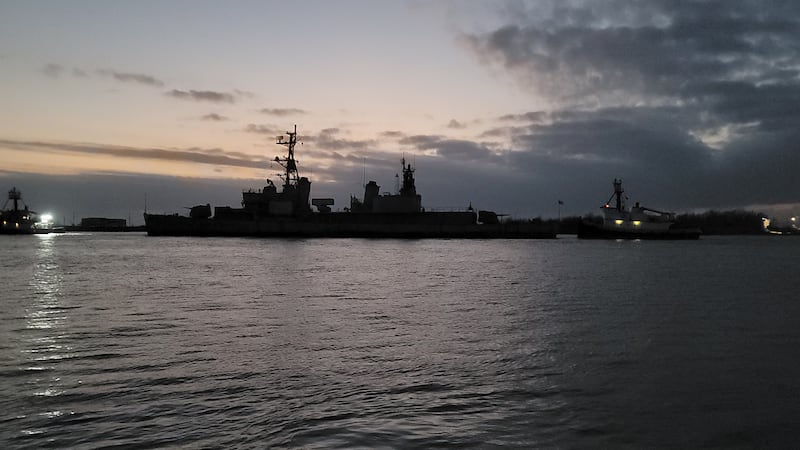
x=105, y=80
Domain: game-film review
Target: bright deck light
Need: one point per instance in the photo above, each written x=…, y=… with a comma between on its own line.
x=618, y=222
x=47, y=218
x=636, y=223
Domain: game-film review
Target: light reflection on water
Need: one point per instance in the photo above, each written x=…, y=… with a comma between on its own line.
x=45, y=318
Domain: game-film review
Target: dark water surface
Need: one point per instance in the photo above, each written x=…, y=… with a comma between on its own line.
x=125, y=340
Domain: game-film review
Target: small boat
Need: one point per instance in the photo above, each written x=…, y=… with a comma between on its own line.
x=619, y=222
x=774, y=228
x=15, y=220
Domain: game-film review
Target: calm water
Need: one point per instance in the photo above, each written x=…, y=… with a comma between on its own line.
x=124, y=340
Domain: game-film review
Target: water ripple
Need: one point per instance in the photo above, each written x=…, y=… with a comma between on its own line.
x=114, y=340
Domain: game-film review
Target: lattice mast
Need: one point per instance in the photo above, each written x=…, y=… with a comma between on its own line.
x=290, y=176
x=14, y=196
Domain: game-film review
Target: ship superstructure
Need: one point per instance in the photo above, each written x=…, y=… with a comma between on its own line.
x=638, y=222
x=405, y=201
x=293, y=198
x=16, y=220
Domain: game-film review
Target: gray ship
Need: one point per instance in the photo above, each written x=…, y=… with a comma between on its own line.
x=638, y=222
x=288, y=213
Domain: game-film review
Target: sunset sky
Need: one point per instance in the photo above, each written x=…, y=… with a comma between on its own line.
x=509, y=105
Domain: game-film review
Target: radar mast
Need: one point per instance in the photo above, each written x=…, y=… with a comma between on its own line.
x=290, y=176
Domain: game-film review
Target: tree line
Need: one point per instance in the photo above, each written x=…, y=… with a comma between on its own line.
x=735, y=221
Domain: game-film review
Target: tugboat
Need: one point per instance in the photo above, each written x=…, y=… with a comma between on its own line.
x=269, y=212
x=638, y=222
x=775, y=228
x=15, y=220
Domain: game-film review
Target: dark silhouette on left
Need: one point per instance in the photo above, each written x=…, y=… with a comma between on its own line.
x=15, y=220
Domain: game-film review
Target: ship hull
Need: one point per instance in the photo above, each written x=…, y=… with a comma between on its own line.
x=17, y=231
x=349, y=225
x=12, y=226
x=597, y=231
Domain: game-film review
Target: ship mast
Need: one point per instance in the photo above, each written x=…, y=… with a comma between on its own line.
x=16, y=196
x=291, y=176
x=408, y=188
x=618, y=194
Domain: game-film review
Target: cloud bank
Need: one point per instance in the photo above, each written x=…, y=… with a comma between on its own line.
x=695, y=102
x=137, y=78
x=202, y=96
x=282, y=112
x=214, y=117
x=217, y=157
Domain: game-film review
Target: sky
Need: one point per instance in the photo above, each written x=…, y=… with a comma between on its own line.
x=112, y=106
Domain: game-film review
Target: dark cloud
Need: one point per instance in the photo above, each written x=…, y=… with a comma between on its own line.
x=610, y=48
x=455, y=150
x=616, y=141
x=244, y=94
x=202, y=96
x=53, y=70
x=267, y=130
x=138, y=78
x=461, y=150
x=495, y=132
x=326, y=139
x=330, y=139
x=282, y=112
x=694, y=103
x=772, y=106
x=454, y=124
x=392, y=134
x=422, y=141
x=214, y=117
x=663, y=165
x=56, y=70
x=195, y=155
x=532, y=116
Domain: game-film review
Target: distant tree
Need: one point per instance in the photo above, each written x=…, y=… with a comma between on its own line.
x=567, y=225
x=736, y=221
